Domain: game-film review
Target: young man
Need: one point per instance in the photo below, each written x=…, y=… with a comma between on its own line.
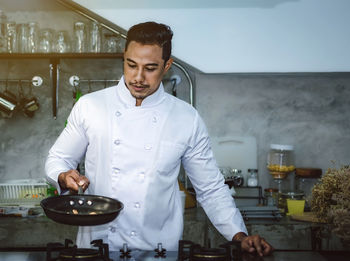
x=134, y=137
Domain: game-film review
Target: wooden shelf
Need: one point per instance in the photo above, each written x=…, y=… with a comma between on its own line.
x=58, y=56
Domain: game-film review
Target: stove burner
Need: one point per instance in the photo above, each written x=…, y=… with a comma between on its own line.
x=194, y=252
x=68, y=251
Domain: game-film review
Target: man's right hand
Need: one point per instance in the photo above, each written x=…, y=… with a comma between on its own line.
x=72, y=179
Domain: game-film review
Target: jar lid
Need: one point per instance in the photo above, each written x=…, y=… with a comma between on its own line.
x=253, y=170
x=236, y=171
x=281, y=147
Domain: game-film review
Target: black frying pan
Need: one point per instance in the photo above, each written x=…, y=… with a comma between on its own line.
x=81, y=210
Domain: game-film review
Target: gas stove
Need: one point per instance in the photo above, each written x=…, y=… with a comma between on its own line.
x=100, y=252
x=187, y=251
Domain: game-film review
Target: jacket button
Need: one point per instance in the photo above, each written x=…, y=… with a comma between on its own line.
x=137, y=205
x=112, y=229
x=154, y=119
x=117, y=142
x=133, y=234
x=148, y=147
x=142, y=176
x=118, y=113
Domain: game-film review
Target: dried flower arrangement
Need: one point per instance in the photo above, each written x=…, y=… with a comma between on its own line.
x=331, y=200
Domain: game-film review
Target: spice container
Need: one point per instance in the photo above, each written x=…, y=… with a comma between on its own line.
x=252, y=178
x=280, y=160
x=271, y=196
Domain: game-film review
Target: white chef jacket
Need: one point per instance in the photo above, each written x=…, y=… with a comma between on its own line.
x=133, y=154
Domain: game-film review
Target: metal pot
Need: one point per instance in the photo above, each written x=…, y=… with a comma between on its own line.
x=81, y=210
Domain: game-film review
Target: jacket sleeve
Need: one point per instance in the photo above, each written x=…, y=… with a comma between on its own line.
x=69, y=148
x=211, y=191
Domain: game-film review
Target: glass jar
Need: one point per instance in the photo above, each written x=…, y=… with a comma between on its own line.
x=252, y=178
x=3, y=19
x=271, y=196
x=280, y=160
x=46, y=41
x=284, y=195
x=80, y=38
x=237, y=177
x=33, y=37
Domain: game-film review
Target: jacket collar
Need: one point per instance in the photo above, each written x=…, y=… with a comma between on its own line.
x=129, y=101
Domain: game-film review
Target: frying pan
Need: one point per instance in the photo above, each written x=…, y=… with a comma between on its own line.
x=81, y=210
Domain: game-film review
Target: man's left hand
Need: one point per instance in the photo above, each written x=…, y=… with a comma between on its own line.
x=253, y=244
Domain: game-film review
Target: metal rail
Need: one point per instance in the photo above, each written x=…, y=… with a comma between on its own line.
x=118, y=30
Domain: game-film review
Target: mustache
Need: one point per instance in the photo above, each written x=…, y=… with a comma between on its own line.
x=139, y=85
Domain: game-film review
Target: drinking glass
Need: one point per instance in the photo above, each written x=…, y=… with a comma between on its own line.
x=80, y=38
x=3, y=18
x=23, y=37
x=111, y=43
x=33, y=37
x=95, y=37
x=45, y=41
x=11, y=37
x=62, y=42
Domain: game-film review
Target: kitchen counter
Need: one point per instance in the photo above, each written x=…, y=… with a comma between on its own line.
x=276, y=256
x=286, y=234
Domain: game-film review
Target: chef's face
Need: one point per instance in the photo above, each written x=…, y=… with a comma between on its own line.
x=144, y=69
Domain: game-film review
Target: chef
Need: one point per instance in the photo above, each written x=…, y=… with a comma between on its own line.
x=134, y=136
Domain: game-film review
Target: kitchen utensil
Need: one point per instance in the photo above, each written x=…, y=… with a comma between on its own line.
x=81, y=210
x=8, y=103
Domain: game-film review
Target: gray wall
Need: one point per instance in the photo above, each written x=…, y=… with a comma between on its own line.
x=309, y=111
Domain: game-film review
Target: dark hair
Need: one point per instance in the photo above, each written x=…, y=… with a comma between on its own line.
x=151, y=33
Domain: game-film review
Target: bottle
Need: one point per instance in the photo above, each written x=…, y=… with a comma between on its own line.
x=271, y=197
x=252, y=178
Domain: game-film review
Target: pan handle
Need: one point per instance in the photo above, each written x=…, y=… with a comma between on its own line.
x=80, y=190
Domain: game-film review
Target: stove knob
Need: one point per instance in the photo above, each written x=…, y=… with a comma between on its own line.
x=160, y=247
x=161, y=252
x=125, y=252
